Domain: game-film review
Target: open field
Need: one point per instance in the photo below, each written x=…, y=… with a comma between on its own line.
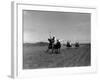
x=35, y=56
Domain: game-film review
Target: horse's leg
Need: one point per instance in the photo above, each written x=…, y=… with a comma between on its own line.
x=59, y=50
x=56, y=50
x=52, y=50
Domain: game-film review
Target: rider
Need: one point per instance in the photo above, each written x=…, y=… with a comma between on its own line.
x=51, y=41
x=54, y=39
x=58, y=43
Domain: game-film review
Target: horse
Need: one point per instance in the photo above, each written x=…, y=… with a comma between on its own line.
x=68, y=44
x=51, y=42
x=57, y=46
x=77, y=44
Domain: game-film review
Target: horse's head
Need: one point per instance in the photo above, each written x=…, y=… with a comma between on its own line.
x=50, y=41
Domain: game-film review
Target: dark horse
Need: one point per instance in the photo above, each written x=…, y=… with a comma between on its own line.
x=54, y=47
x=68, y=45
x=57, y=46
x=77, y=44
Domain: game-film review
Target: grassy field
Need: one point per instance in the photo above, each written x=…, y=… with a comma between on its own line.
x=35, y=57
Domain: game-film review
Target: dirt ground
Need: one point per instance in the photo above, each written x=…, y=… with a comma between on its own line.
x=35, y=57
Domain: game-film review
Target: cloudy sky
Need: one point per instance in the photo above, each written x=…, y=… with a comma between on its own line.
x=64, y=25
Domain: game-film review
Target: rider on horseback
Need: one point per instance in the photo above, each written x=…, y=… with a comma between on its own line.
x=54, y=44
x=51, y=42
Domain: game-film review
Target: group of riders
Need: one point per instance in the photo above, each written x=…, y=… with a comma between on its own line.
x=55, y=44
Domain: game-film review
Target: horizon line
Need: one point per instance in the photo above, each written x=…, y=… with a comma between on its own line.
x=62, y=43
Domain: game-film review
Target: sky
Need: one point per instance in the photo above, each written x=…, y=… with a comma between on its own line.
x=72, y=26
